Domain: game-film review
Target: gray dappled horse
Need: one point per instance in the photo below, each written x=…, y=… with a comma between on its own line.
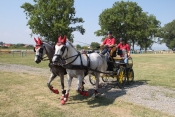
x=40, y=50
x=77, y=64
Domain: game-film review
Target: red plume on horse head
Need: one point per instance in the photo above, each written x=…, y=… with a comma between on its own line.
x=38, y=42
x=62, y=40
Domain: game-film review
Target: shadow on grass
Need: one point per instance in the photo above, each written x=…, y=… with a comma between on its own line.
x=137, y=83
x=108, y=93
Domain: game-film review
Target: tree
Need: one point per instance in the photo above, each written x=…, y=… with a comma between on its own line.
x=121, y=19
x=167, y=34
x=125, y=20
x=78, y=47
x=94, y=45
x=52, y=18
x=85, y=47
x=149, y=26
x=1, y=43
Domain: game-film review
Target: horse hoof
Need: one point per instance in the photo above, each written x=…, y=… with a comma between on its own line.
x=66, y=98
x=56, y=91
x=67, y=95
x=86, y=93
x=62, y=102
x=81, y=92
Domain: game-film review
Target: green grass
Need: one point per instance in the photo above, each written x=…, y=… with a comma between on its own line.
x=155, y=69
x=25, y=60
x=26, y=95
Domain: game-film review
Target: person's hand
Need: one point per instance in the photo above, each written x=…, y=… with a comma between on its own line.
x=129, y=55
x=105, y=46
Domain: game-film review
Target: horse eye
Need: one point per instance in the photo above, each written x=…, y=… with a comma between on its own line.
x=41, y=50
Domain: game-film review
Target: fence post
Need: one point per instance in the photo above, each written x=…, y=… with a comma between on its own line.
x=21, y=53
x=12, y=53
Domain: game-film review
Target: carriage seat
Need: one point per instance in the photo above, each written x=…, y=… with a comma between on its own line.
x=118, y=58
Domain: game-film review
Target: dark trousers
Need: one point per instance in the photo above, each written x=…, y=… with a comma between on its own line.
x=105, y=50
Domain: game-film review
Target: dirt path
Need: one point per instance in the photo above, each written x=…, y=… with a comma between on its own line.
x=140, y=93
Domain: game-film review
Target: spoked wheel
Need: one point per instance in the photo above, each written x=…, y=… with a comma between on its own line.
x=121, y=77
x=130, y=77
x=92, y=79
x=105, y=78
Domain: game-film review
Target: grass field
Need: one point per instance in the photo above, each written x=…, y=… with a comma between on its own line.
x=26, y=95
x=154, y=69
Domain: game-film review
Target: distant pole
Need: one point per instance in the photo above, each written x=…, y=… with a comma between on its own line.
x=12, y=53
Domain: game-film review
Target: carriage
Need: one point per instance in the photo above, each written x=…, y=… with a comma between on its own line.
x=121, y=72
x=67, y=60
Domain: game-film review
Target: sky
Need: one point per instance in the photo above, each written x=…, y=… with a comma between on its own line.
x=13, y=20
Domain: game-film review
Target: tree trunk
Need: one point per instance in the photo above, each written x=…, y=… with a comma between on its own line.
x=145, y=49
x=133, y=46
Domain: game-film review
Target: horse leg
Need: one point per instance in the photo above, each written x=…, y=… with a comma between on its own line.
x=79, y=83
x=52, y=77
x=80, y=87
x=63, y=97
x=69, y=81
x=97, y=75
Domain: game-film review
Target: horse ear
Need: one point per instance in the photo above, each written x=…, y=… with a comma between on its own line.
x=35, y=40
x=39, y=41
x=62, y=40
x=59, y=39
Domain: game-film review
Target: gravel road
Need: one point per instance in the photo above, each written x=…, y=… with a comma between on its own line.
x=154, y=97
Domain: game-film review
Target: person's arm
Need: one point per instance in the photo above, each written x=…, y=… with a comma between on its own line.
x=118, y=46
x=128, y=50
x=104, y=42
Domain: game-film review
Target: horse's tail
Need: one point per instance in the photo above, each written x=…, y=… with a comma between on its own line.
x=104, y=63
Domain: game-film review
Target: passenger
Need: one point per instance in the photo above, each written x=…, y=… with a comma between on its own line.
x=124, y=48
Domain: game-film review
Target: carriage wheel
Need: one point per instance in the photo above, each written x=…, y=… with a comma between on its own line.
x=105, y=78
x=121, y=77
x=92, y=79
x=130, y=77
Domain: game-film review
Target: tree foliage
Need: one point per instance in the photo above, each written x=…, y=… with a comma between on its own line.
x=52, y=18
x=78, y=47
x=149, y=27
x=127, y=20
x=94, y=45
x=167, y=34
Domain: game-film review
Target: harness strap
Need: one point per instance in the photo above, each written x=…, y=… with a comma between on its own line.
x=71, y=57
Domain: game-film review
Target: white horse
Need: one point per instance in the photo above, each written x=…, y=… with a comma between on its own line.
x=41, y=49
x=78, y=64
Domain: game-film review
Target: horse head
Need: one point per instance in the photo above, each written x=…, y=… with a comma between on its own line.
x=60, y=49
x=39, y=50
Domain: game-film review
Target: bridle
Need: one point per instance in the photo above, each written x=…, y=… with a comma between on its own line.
x=42, y=47
x=63, y=59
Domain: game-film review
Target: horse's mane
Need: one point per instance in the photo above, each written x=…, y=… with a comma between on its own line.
x=47, y=43
x=70, y=43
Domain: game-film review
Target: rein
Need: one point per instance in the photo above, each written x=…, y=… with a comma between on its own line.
x=74, y=58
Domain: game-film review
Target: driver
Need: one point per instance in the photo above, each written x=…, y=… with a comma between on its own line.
x=108, y=43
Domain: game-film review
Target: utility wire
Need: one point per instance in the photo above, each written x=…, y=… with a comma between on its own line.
x=82, y=42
